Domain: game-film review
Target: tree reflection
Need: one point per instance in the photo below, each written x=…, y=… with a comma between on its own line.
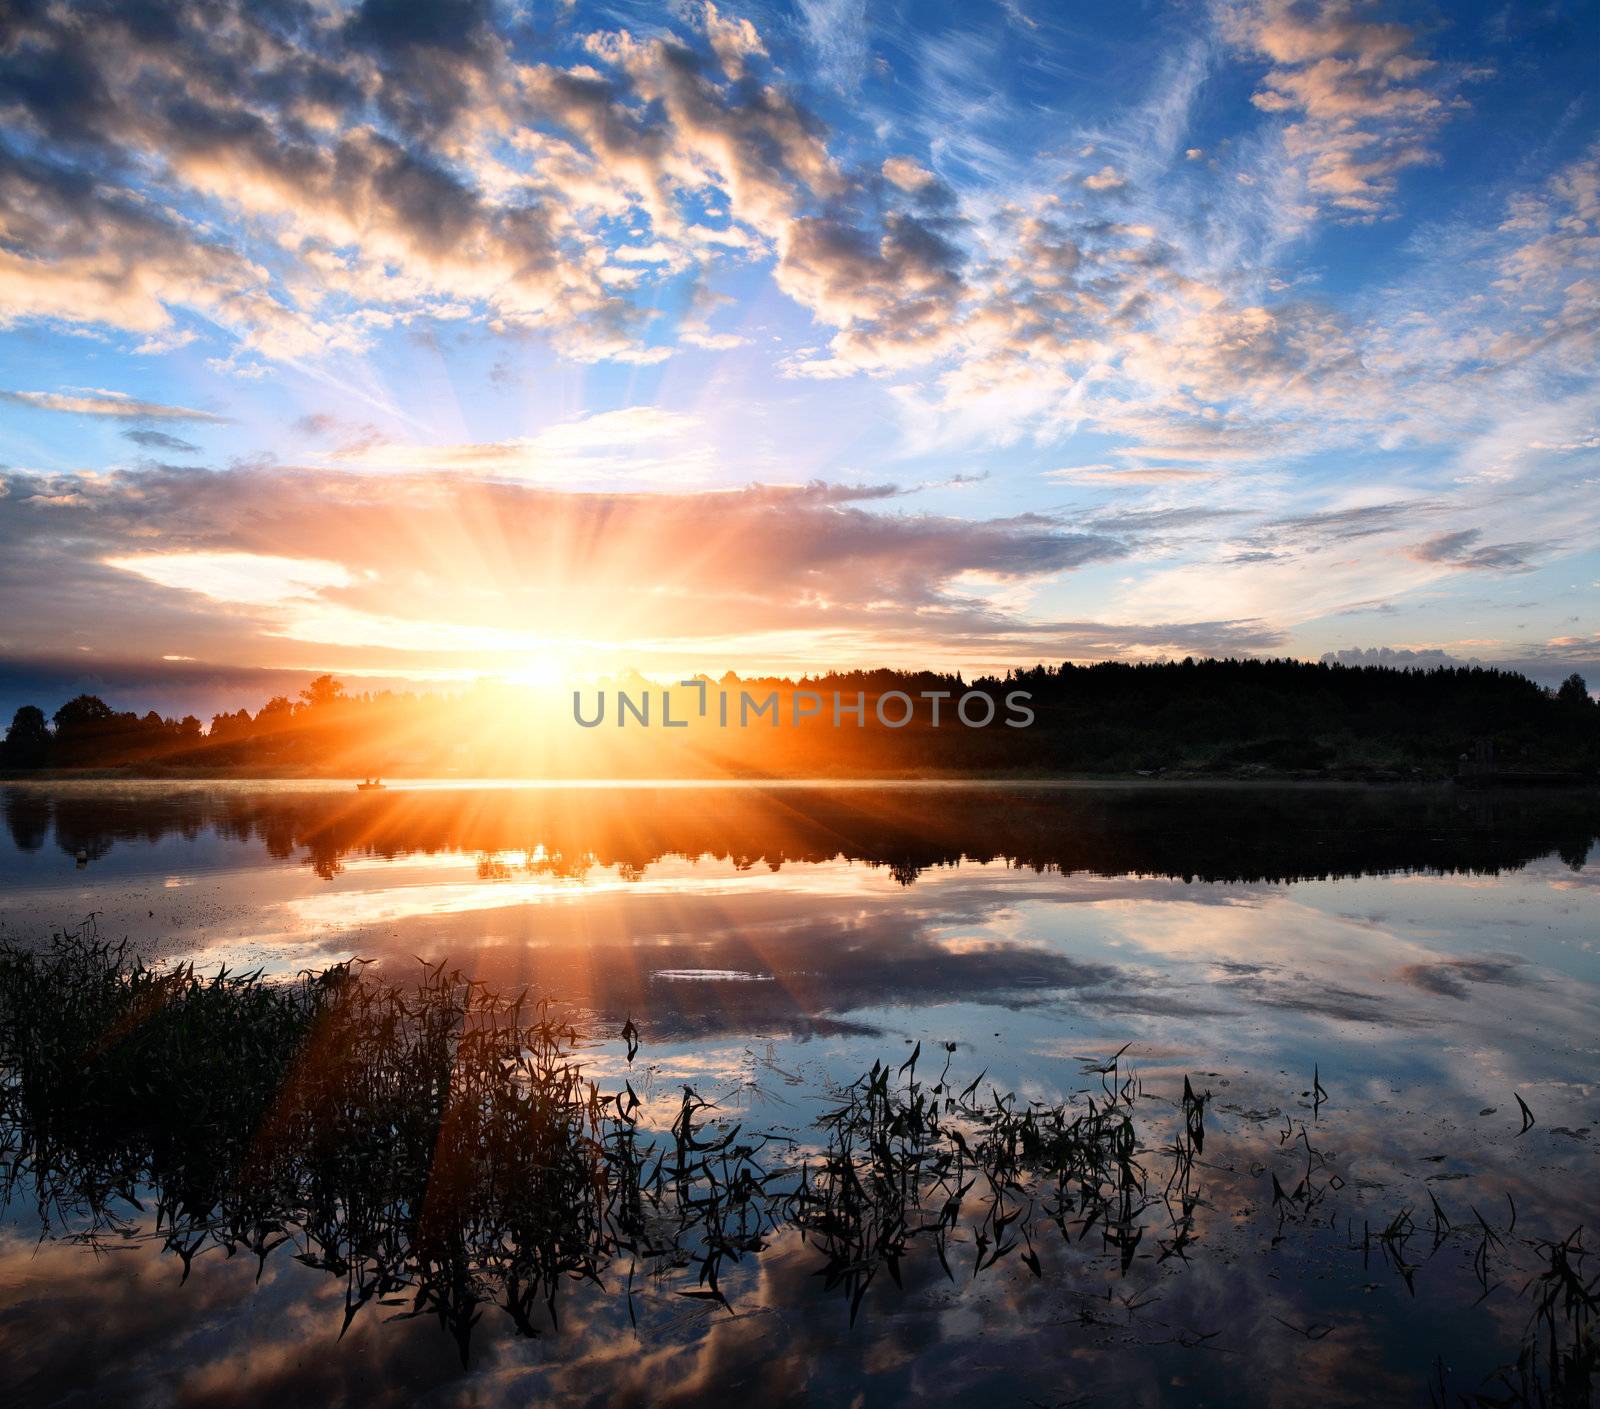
x=1191, y=833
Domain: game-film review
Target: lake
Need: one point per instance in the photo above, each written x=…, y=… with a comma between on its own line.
x=1184, y=1095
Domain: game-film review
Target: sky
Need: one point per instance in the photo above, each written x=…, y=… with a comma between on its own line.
x=544, y=340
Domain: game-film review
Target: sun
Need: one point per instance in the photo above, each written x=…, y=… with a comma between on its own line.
x=543, y=671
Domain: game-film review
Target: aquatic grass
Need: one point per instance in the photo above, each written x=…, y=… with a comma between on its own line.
x=433, y=1140
x=1557, y=1363
x=905, y=1160
x=441, y=1150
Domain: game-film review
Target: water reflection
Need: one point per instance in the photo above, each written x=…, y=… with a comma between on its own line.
x=1427, y=957
x=1193, y=832
x=438, y=1151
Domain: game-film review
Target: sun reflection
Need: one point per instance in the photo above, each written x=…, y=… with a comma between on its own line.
x=353, y=909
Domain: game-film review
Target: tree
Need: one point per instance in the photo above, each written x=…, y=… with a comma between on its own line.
x=87, y=729
x=230, y=726
x=27, y=742
x=1574, y=690
x=83, y=712
x=323, y=691
x=277, y=712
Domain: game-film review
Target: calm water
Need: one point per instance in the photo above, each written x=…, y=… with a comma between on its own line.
x=1428, y=955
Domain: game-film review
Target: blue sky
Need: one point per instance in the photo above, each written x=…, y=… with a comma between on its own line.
x=543, y=340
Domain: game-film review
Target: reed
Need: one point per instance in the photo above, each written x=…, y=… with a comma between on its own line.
x=441, y=1150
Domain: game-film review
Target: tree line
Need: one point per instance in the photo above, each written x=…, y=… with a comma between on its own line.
x=1183, y=718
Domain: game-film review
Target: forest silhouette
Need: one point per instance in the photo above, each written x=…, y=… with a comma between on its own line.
x=1228, y=718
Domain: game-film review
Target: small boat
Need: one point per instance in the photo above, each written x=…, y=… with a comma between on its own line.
x=368, y=785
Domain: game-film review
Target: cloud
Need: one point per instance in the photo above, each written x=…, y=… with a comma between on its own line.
x=243, y=579
x=1547, y=663
x=160, y=440
x=441, y=569
x=309, y=184
x=1152, y=521
x=894, y=297
x=1133, y=474
x=713, y=342
x=907, y=175
x=733, y=40
x=1461, y=549
x=641, y=443
x=1344, y=525
x=1360, y=103
x=387, y=165
x=159, y=344
x=1397, y=658
x=114, y=404
x=694, y=328
x=452, y=573
x=836, y=30
x=1108, y=178
x=292, y=184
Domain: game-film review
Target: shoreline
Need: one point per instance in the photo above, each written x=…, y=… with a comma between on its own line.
x=93, y=777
